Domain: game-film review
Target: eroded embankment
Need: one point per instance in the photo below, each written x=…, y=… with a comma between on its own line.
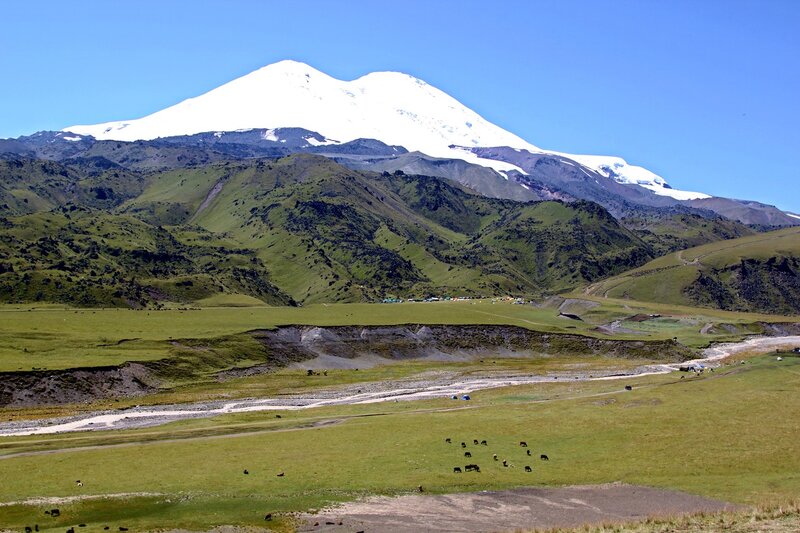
x=288, y=345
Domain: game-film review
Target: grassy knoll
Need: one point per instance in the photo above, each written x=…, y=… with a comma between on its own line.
x=717, y=436
x=753, y=273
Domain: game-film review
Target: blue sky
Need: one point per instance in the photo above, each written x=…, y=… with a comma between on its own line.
x=704, y=93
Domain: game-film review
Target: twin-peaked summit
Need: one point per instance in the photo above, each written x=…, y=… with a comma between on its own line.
x=395, y=108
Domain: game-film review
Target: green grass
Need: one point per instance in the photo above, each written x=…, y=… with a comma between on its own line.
x=50, y=337
x=717, y=436
x=668, y=278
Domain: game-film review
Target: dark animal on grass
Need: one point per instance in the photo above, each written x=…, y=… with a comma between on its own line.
x=483, y=443
x=268, y=516
x=505, y=463
x=472, y=468
x=71, y=530
x=543, y=457
x=418, y=488
x=55, y=512
x=246, y=472
x=475, y=442
x=628, y=387
x=523, y=444
x=467, y=454
x=123, y=528
x=281, y=474
x=28, y=529
x=528, y=469
x=494, y=456
x=463, y=444
x=457, y=470
x=447, y=440
x=529, y=453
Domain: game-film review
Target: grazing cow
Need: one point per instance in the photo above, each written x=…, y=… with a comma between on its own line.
x=268, y=516
x=106, y=528
x=474, y=468
x=447, y=440
x=467, y=454
x=528, y=469
x=463, y=444
x=55, y=512
x=71, y=530
x=543, y=457
x=484, y=443
x=36, y=527
x=81, y=525
x=78, y=482
x=246, y=472
x=475, y=442
x=278, y=416
x=529, y=453
x=505, y=463
x=123, y=528
x=628, y=387
x=523, y=444
x=457, y=470
x=28, y=529
x=281, y=474
x=418, y=488
x=494, y=456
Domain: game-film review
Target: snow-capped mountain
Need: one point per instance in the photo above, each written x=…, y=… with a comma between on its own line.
x=392, y=107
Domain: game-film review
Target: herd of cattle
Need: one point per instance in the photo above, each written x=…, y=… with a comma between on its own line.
x=477, y=468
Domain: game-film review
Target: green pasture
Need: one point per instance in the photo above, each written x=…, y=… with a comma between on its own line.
x=51, y=337
x=726, y=435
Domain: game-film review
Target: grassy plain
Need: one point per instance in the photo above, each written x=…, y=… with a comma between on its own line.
x=718, y=436
x=52, y=337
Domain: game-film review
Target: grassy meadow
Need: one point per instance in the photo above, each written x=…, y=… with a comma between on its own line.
x=717, y=435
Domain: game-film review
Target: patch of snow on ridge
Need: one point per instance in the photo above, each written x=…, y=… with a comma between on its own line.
x=621, y=171
x=793, y=215
x=73, y=139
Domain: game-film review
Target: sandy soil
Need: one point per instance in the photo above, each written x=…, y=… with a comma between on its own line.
x=509, y=510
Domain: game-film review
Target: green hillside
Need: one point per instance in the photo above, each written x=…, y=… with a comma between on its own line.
x=327, y=233
x=755, y=273
x=305, y=229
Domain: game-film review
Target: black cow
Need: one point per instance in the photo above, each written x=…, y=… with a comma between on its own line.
x=628, y=387
x=28, y=529
x=494, y=456
x=475, y=442
x=505, y=463
x=543, y=457
x=463, y=444
x=281, y=474
x=529, y=453
x=483, y=443
x=55, y=512
x=528, y=469
x=467, y=454
x=268, y=516
x=447, y=440
x=457, y=470
x=474, y=468
x=523, y=444
x=246, y=472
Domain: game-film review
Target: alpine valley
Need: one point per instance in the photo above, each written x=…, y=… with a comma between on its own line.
x=287, y=186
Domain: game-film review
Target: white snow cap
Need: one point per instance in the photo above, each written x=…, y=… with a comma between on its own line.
x=391, y=107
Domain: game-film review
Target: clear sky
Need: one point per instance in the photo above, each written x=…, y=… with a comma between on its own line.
x=702, y=92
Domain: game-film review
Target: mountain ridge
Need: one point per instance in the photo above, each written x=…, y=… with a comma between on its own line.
x=392, y=107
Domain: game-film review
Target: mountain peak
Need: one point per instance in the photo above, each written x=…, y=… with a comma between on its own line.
x=392, y=107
